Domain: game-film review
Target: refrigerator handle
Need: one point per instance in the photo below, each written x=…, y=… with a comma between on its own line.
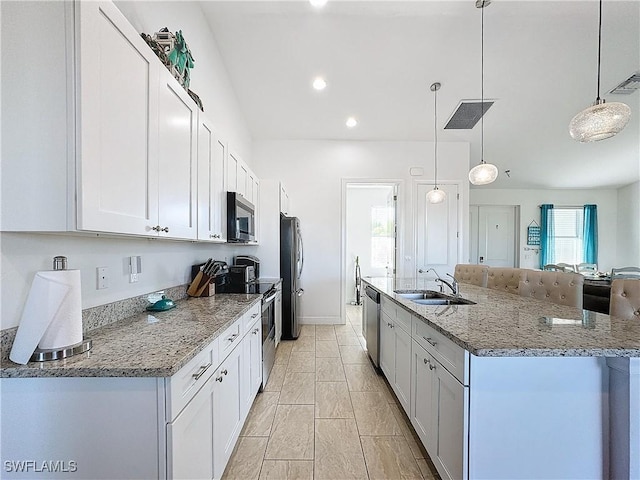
x=301, y=253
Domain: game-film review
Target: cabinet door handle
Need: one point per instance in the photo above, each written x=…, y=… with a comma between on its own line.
x=156, y=228
x=219, y=379
x=224, y=372
x=255, y=331
x=426, y=362
x=201, y=371
x=431, y=342
x=431, y=366
x=232, y=338
x=254, y=315
x=389, y=325
x=165, y=229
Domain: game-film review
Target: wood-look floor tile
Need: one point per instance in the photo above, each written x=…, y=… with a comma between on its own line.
x=276, y=378
x=362, y=378
x=407, y=430
x=338, y=454
x=292, y=434
x=333, y=400
x=373, y=414
x=298, y=389
x=353, y=354
x=325, y=332
x=427, y=469
x=304, y=344
x=329, y=370
x=302, y=362
x=347, y=338
x=307, y=331
x=327, y=348
x=246, y=460
x=284, y=351
x=287, y=470
x=389, y=457
x=261, y=415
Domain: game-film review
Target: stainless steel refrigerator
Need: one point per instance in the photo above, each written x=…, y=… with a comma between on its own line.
x=291, y=263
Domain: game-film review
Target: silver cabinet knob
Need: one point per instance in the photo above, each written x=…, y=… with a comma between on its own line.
x=165, y=229
x=219, y=379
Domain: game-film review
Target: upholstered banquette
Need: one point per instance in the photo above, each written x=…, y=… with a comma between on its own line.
x=472, y=274
x=505, y=279
x=625, y=299
x=557, y=287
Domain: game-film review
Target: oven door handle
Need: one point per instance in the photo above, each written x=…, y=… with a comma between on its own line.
x=269, y=299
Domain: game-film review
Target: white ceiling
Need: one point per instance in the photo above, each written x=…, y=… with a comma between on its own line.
x=380, y=57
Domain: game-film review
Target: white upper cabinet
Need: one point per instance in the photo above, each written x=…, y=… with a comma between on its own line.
x=212, y=199
x=118, y=130
x=178, y=124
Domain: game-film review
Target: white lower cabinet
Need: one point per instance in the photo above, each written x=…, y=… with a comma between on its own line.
x=251, y=366
x=387, y=346
x=227, y=420
x=191, y=440
x=395, y=355
x=438, y=413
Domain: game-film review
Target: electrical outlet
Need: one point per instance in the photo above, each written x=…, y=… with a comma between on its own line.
x=135, y=267
x=133, y=278
x=102, y=277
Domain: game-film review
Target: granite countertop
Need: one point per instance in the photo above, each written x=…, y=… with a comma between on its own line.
x=134, y=347
x=502, y=324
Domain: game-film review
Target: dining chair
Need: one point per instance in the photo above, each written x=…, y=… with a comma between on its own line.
x=472, y=274
x=563, y=288
x=625, y=272
x=586, y=268
x=625, y=299
x=505, y=279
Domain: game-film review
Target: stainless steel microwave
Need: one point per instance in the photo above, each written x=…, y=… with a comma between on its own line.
x=241, y=219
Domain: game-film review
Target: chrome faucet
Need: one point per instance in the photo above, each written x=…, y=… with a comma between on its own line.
x=453, y=285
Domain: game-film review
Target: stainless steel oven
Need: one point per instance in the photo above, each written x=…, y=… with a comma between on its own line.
x=268, y=332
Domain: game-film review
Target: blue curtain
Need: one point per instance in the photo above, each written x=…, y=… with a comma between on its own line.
x=590, y=234
x=546, y=234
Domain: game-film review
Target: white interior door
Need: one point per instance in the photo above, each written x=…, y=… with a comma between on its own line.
x=436, y=231
x=494, y=235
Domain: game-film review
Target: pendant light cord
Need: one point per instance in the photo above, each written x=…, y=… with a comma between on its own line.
x=599, y=48
x=482, y=88
x=435, y=132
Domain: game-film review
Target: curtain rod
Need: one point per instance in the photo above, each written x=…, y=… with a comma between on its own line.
x=568, y=206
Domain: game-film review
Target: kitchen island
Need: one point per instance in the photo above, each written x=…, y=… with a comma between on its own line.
x=513, y=387
x=160, y=395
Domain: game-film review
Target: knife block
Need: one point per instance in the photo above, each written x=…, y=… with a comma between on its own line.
x=215, y=281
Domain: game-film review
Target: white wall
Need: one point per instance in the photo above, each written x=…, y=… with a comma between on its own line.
x=313, y=172
x=628, y=233
x=164, y=263
x=209, y=77
x=358, y=236
x=529, y=202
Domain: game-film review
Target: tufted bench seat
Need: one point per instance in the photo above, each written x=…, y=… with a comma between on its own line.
x=557, y=287
x=472, y=274
x=625, y=299
x=505, y=279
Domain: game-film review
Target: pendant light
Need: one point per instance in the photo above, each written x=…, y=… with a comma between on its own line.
x=601, y=120
x=483, y=173
x=436, y=195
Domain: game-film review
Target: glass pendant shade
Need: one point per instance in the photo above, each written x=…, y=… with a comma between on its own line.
x=599, y=121
x=483, y=174
x=436, y=195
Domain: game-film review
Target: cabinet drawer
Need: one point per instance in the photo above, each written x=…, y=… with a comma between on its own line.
x=184, y=384
x=249, y=318
x=403, y=319
x=230, y=338
x=388, y=307
x=453, y=357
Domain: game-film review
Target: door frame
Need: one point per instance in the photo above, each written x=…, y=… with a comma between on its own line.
x=461, y=220
x=399, y=184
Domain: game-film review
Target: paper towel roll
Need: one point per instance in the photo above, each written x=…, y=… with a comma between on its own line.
x=52, y=316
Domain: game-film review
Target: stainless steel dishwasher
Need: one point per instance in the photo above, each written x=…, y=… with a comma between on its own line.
x=371, y=323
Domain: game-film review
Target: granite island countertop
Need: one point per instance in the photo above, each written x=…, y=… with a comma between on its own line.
x=502, y=324
x=134, y=347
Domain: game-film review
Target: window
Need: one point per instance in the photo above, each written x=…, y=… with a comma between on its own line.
x=382, y=240
x=568, y=242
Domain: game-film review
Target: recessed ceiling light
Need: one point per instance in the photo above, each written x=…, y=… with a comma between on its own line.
x=319, y=83
x=351, y=122
x=318, y=3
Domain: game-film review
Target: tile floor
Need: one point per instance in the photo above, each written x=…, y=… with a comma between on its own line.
x=326, y=414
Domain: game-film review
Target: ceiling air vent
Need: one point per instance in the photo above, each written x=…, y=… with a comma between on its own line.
x=629, y=86
x=467, y=114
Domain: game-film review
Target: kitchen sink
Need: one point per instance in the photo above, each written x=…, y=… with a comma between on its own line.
x=431, y=297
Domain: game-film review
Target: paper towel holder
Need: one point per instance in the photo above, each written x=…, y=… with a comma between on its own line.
x=46, y=354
